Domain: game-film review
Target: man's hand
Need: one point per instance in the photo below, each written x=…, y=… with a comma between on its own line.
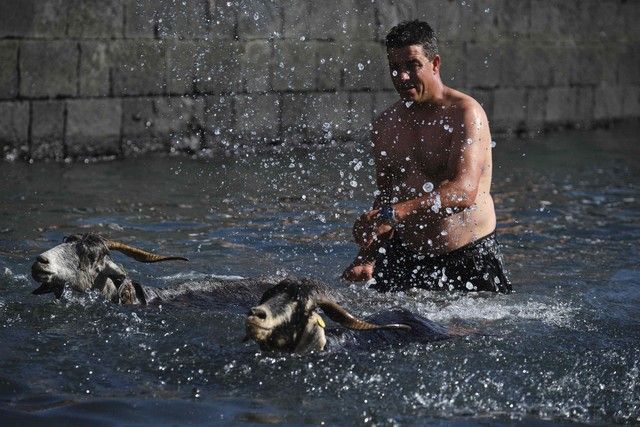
x=368, y=230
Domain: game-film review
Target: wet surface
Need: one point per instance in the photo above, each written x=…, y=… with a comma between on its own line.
x=563, y=348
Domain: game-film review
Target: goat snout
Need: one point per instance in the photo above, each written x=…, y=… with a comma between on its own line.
x=258, y=312
x=42, y=259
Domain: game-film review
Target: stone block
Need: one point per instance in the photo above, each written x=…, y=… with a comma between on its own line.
x=138, y=67
x=536, y=108
x=510, y=18
x=608, y=103
x=181, y=120
x=139, y=18
x=95, y=18
x=93, y=127
x=365, y=66
x=525, y=64
x=483, y=65
x=219, y=70
x=631, y=101
x=629, y=64
x=584, y=104
x=33, y=18
x=453, y=64
x=360, y=114
x=564, y=60
x=256, y=57
x=446, y=18
x=8, y=69
x=95, y=65
x=47, y=130
x=259, y=19
x=258, y=116
x=329, y=63
x=553, y=19
x=383, y=100
x=391, y=13
x=294, y=65
x=181, y=66
x=328, y=116
x=629, y=13
x=223, y=22
x=139, y=135
x=329, y=20
x=219, y=119
x=295, y=116
x=48, y=69
x=14, y=128
x=509, y=109
x=560, y=105
x=182, y=19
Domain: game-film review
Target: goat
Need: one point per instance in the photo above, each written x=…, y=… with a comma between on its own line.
x=286, y=320
x=83, y=262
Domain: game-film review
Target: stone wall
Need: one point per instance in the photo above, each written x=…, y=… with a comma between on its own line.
x=83, y=78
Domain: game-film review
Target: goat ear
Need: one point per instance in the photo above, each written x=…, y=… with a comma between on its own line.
x=338, y=314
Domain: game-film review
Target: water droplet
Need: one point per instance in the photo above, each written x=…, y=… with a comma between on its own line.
x=353, y=183
x=493, y=144
x=427, y=187
x=408, y=103
x=360, y=66
x=394, y=73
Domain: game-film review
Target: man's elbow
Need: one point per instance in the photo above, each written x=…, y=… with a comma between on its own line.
x=465, y=197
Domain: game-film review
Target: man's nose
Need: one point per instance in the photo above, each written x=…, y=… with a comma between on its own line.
x=403, y=75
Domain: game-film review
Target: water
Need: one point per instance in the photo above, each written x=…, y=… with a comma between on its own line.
x=563, y=348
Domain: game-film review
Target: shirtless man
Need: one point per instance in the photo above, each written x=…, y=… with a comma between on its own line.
x=433, y=222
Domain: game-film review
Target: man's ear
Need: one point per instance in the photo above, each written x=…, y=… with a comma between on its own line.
x=436, y=64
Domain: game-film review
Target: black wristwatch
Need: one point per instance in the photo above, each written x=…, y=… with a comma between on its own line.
x=387, y=215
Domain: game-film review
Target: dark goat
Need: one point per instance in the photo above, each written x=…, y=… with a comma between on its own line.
x=286, y=320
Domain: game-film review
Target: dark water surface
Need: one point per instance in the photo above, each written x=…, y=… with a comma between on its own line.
x=564, y=348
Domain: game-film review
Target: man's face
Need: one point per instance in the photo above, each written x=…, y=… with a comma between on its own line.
x=414, y=76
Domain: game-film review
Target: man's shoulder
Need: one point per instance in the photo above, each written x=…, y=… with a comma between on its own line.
x=464, y=103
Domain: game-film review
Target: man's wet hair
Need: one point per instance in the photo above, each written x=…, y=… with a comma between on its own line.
x=409, y=33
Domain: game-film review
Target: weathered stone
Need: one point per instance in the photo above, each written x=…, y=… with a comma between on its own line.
x=33, y=18
x=445, y=17
x=383, y=100
x=219, y=120
x=295, y=117
x=631, y=101
x=93, y=127
x=257, y=116
x=365, y=66
x=608, y=103
x=329, y=19
x=254, y=69
x=48, y=69
x=584, y=105
x=139, y=18
x=8, y=69
x=14, y=128
x=138, y=67
x=629, y=64
x=483, y=65
x=181, y=65
x=629, y=13
x=329, y=62
x=509, y=109
x=360, y=114
x=47, y=130
x=564, y=59
x=329, y=113
x=259, y=19
x=222, y=24
x=560, y=105
x=181, y=119
x=95, y=18
x=536, y=107
x=551, y=19
x=392, y=12
x=453, y=64
x=294, y=66
x=95, y=64
x=182, y=19
x=511, y=18
x=525, y=64
x=220, y=64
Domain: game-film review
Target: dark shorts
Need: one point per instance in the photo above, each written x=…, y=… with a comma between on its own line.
x=475, y=267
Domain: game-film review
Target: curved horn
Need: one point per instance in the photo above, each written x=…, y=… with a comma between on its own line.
x=338, y=314
x=139, y=254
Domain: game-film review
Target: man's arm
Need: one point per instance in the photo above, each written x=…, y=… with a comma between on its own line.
x=467, y=159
